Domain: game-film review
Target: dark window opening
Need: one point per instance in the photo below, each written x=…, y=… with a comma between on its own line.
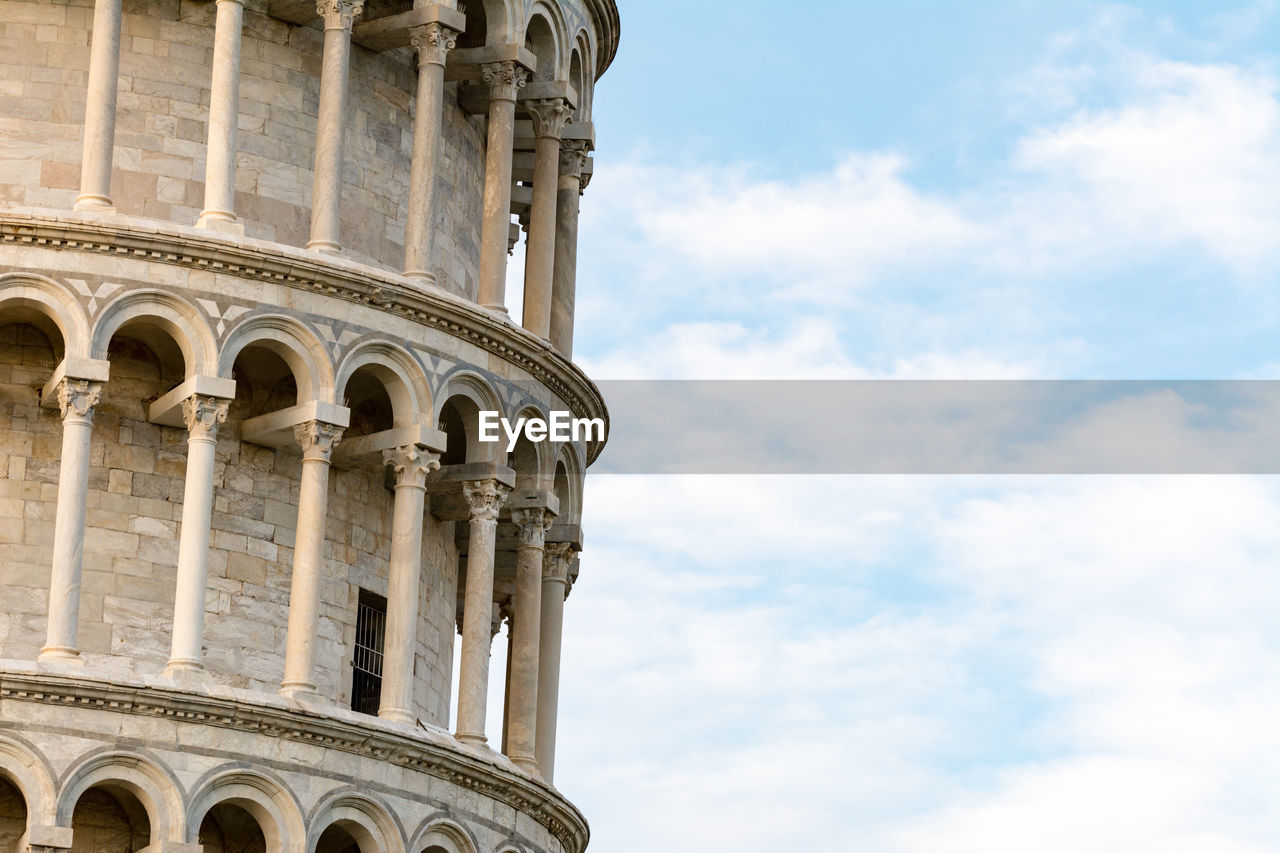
x=371, y=629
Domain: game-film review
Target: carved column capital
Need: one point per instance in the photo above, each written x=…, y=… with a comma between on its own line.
x=317, y=439
x=339, y=14
x=77, y=399
x=411, y=464
x=532, y=526
x=202, y=416
x=433, y=42
x=556, y=562
x=504, y=79
x=573, y=158
x=484, y=499
x=549, y=115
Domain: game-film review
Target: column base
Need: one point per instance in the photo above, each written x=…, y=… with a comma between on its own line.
x=298, y=690
x=420, y=277
x=221, y=221
x=60, y=654
x=328, y=247
x=473, y=738
x=182, y=669
x=497, y=309
x=95, y=203
x=397, y=715
x=527, y=763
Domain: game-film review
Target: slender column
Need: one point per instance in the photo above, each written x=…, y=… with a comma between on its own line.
x=573, y=157
x=555, y=588
x=77, y=399
x=411, y=464
x=532, y=525
x=224, y=111
x=202, y=414
x=433, y=42
x=484, y=499
x=317, y=440
x=506, y=678
x=504, y=80
x=549, y=116
x=100, y=108
x=326, y=192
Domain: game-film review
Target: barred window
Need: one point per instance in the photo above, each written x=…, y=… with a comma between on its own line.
x=366, y=677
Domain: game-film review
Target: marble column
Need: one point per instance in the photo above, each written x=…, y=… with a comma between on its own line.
x=532, y=525
x=433, y=42
x=100, y=108
x=504, y=79
x=573, y=158
x=556, y=561
x=202, y=415
x=77, y=399
x=549, y=115
x=484, y=500
x=335, y=72
x=317, y=440
x=411, y=465
x=224, y=119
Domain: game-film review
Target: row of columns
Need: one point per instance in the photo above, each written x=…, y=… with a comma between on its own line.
x=551, y=260
x=541, y=575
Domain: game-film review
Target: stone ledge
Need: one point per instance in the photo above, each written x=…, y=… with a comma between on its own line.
x=334, y=276
x=429, y=750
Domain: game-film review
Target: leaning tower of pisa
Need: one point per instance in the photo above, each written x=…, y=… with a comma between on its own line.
x=255, y=555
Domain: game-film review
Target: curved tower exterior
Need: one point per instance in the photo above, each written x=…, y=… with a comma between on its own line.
x=253, y=262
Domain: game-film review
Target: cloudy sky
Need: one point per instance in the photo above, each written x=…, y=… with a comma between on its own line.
x=991, y=189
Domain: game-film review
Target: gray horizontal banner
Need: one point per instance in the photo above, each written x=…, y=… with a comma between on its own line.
x=942, y=427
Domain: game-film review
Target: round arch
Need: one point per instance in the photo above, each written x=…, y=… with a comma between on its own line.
x=580, y=64
x=24, y=766
x=470, y=393
x=294, y=342
x=174, y=315
x=445, y=834
x=271, y=804
x=368, y=821
x=503, y=19
x=40, y=297
x=156, y=789
x=400, y=373
x=568, y=490
x=543, y=453
x=558, y=48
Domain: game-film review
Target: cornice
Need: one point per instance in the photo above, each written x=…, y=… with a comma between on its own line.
x=340, y=278
x=539, y=801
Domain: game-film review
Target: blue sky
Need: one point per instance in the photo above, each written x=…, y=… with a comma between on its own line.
x=943, y=190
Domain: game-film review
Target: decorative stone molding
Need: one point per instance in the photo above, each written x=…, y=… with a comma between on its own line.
x=504, y=79
x=433, y=42
x=433, y=753
x=531, y=526
x=411, y=464
x=317, y=439
x=484, y=499
x=556, y=562
x=77, y=399
x=202, y=416
x=339, y=14
x=549, y=116
x=194, y=249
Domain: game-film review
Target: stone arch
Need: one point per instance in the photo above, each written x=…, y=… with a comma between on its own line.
x=271, y=803
x=569, y=489
x=368, y=821
x=538, y=456
x=171, y=314
x=145, y=778
x=580, y=77
x=400, y=373
x=546, y=34
x=491, y=22
x=50, y=307
x=26, y=768
x=444, y=834
x=294, y=342
x=468, y=393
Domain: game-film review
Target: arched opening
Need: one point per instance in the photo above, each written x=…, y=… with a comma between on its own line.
x=109, y=818
x=563, y=490
x=264, y=383
x=541, y=41
x=229, y=828
x=477, y=27
x=13, y=815
x=459, y=420
x=578, y=81
x=524, y=461
x=342, y=837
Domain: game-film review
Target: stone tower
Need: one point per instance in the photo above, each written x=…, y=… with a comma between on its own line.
x=253, y=263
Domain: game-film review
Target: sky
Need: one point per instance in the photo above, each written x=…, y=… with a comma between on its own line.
x=982, y=190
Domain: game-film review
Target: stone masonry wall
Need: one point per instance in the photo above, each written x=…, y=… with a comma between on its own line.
x=136, y=482
x=166, y=57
